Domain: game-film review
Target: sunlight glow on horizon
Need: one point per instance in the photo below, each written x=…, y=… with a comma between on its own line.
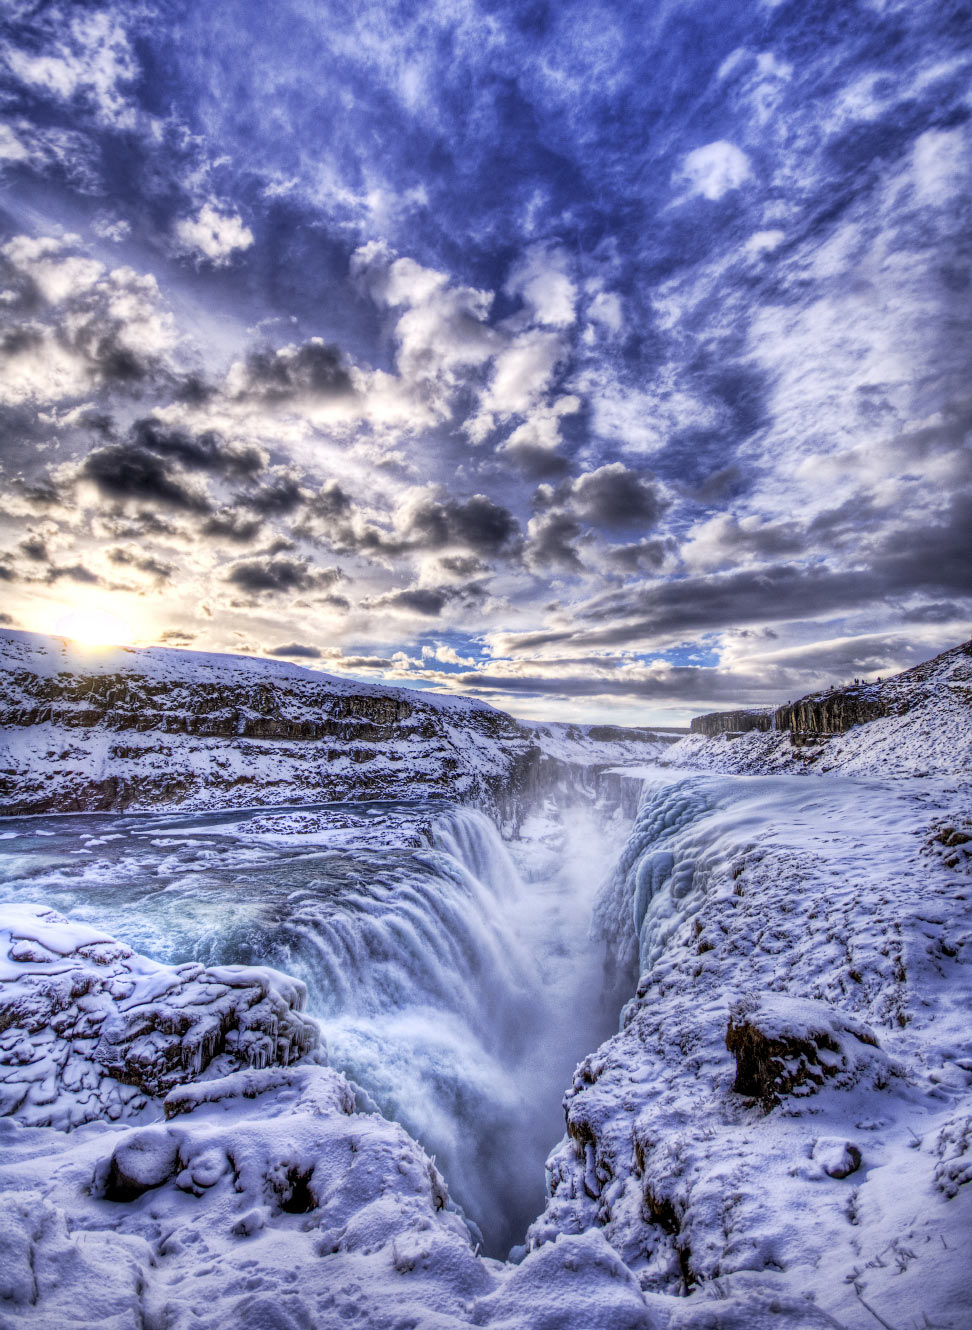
x=94, y=628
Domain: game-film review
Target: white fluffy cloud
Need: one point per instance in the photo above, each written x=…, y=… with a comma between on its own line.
x=91, y=58
x=714, y=170
x=213, y=234
x=541, y=280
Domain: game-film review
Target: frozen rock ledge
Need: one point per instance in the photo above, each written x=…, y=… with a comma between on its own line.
x=89, y=1029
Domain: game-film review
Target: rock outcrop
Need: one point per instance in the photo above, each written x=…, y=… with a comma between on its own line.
x=89, y=1029
x=731, y=722
x=792, y=1046
x=836, y=710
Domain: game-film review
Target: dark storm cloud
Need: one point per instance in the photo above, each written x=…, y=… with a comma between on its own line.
x=314, y=370
x=780, y=591
x=477, y=523
x=553, y=539
x=228, y=524
x=328, y=501
x=367, y=662
x=34, y=548
x=535, y=461
x=462, y=565
x=615, y=497
x=275, y=574
x=295, y=649
x=420, y=600
x=126, y=471
x=612, y=498
x=280, y=497
x=939, y=611
x=206, y=452
x=144, y=563
x=641, y=557
x=75, y=572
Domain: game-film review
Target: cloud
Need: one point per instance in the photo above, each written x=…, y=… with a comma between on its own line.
x=614, y=496
x=476, y=523
x=552, y=539
x=726, y=539
x=312, y=371
x=279, y=497
x=206, y=452
x=429, y=601
x=73, y=325
x=230, y=524
x=213, y=235
x=541, y=280
x=276, y=574
x=295, y=649
x=125, y=471
x=713, y=170
x=87, y=60
x=75, y=572
x=144, y=563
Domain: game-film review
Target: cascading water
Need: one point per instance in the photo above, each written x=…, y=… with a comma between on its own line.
x=457, y=995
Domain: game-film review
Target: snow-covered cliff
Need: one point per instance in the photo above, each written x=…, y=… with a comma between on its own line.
x=127, y=728
x=778, y=1138
x=917, y=722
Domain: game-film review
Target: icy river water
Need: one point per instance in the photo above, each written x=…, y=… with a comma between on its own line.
x=453, y=973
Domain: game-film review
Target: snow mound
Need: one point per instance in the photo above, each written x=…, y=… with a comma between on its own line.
x=90, y=1029
x=792, y=1046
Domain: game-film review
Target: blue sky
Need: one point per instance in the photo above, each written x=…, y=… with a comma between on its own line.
x=605, y=361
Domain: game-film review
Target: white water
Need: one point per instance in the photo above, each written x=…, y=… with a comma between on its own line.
x=456, y=986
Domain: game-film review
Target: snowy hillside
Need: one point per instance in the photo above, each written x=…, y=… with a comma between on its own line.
x=84, y=730
x=915, y=723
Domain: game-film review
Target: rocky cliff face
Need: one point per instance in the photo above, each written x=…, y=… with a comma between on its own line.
x=731, y=722
x=835, y=710
x=134, y=728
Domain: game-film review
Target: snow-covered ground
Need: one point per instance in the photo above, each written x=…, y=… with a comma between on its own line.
x=805, y=909
x=927, y=731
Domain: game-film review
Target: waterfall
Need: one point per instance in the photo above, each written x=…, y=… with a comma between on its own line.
x=457, y=993
x=475, y=844
x=661, y=874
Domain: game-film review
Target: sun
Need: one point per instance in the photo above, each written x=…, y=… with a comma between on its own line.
x=93, y=628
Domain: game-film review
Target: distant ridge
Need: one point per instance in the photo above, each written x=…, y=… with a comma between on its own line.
x=836, y=710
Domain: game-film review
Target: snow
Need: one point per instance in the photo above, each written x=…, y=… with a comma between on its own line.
x=825, y=914
x=91, y=1030
x=927, y=733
